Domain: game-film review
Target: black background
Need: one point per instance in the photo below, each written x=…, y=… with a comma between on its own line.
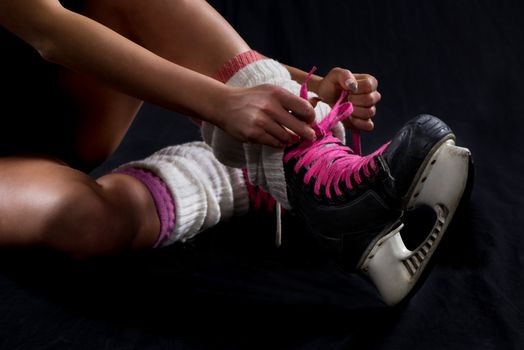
x=231, y=288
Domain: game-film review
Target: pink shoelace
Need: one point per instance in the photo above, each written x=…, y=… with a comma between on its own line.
x=326, y=159
x=258, y=198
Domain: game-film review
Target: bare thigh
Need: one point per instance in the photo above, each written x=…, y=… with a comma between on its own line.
x=44, y=202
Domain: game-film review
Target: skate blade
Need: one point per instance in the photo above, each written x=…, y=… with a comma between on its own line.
x=392, y=267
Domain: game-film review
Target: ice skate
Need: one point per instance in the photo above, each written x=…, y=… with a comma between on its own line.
x=430, y=171
x=355, y=205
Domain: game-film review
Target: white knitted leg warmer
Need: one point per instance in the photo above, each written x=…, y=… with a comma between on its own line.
x=203, y=189
x=264, y=164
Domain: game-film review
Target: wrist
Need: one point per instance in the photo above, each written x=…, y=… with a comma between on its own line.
x=212, y=105
x=299, y=76
x=314, y=83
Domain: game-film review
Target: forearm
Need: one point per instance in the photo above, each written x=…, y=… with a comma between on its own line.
x=300, y=75
x=132, y=69
x=77, y=42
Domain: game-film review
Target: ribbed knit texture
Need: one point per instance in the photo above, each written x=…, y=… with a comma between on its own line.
x=235, y=64
x=264, y=163
x=204, y=190
x=164, y=203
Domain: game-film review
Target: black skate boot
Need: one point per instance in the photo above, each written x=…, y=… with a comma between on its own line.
x=355, y=204
x=433, y=174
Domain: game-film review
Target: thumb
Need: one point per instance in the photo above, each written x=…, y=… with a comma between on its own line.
x=348, y=81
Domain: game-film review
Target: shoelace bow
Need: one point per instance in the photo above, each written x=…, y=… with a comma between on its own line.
x=328, y=161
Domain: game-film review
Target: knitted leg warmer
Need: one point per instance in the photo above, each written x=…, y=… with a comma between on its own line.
x=264, y=164
x=203, y=190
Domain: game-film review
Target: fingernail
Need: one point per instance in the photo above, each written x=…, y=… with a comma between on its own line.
x=352, y=84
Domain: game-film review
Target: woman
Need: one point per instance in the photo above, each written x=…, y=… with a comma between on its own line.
x=77, y=74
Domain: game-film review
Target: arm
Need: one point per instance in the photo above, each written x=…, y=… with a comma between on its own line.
x=345, y=78
x=299, y=76
x=86, y=46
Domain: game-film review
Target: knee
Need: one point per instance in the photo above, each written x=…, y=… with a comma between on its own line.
x=82, y=223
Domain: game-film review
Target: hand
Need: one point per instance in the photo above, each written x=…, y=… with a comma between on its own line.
x=266, y=114
x=362, y=93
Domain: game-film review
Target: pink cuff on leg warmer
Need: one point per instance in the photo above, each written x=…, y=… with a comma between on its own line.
x=164, y=203
x=235, y=64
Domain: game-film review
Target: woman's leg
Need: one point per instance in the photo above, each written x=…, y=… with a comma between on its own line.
x=44, y=202
x=47, y=204
x=189, y=33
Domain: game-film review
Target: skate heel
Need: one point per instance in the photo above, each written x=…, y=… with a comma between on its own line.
x=392, y=267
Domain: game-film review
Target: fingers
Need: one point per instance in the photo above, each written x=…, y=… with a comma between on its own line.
x=361, y=118
x=363, y=95
x=280, y=134
x=273, y=134
x=297, y=126
x=300, y=107
x=364, y=102
x=366, y=83
x=346, y=79
x=360, y=124
x=269, y=140
x=285, y=119
x=364, y=112
x=270, y=115
x=365, y=99
x=296, y=115
x=268, y=132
